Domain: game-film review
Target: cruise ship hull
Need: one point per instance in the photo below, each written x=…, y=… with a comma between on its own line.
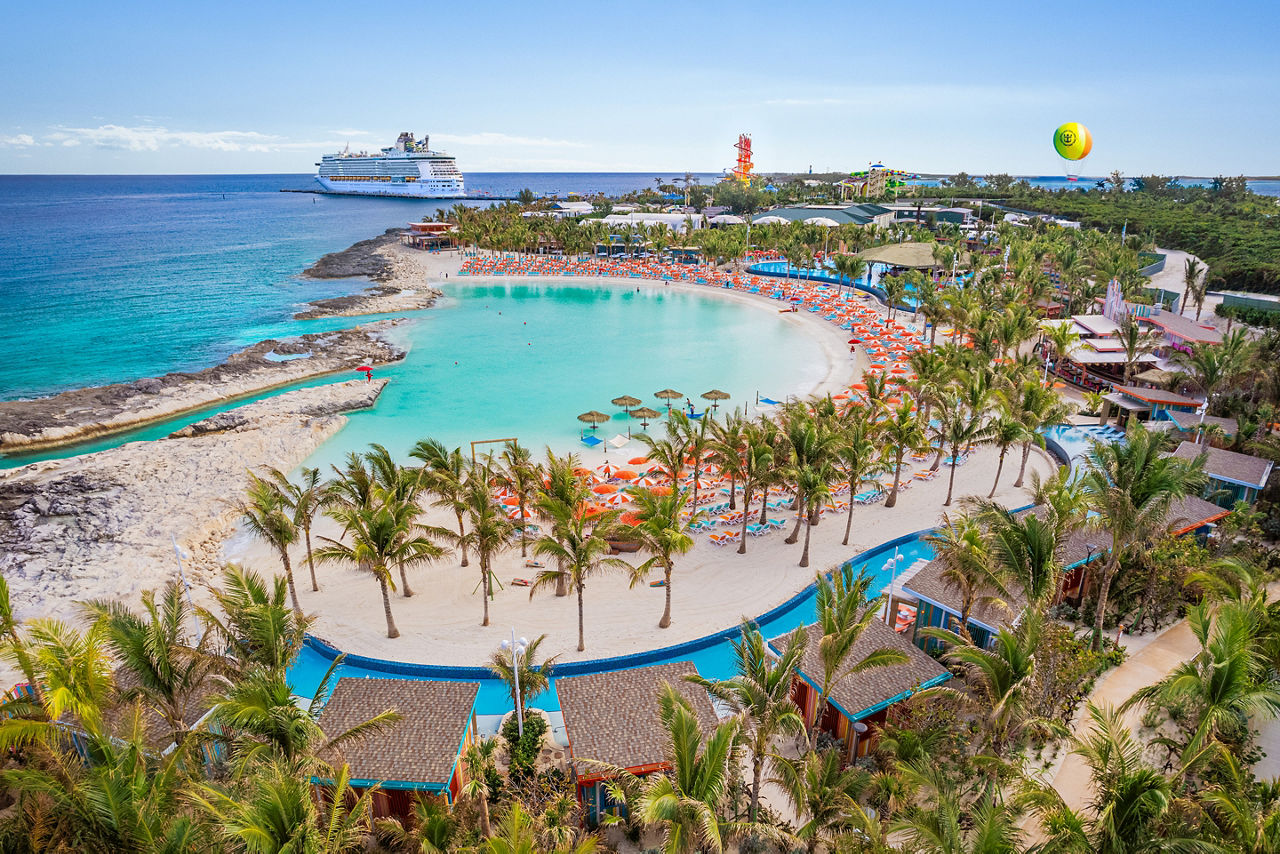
x=403, y=190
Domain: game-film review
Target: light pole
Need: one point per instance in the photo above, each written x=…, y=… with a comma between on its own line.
x=892, y=565
x=517, y=649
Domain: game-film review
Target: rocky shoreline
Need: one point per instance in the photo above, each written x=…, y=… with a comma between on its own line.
x=75, y=416
x=382, y=259
x=100, y=525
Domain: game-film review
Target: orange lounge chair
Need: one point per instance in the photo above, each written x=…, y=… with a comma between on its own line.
x=521, y=582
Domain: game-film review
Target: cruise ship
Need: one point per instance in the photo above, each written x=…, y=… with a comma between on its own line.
x=408, y=169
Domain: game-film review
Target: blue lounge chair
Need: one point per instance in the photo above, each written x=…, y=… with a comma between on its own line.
x=592, y=441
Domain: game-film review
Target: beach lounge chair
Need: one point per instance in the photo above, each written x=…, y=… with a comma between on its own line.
x=592, y=441
x=534, y=564
x=521, y=582
x=758, y=530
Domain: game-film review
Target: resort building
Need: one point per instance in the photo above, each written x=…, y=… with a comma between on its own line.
x=611, y=720
x=858, y=706
x=1146, y=404
x=420, y=754
x=1232, y=476
x=1178, y=333
x=863, y=214
x=1189, y=423
x=677, y=222
x=430, y=235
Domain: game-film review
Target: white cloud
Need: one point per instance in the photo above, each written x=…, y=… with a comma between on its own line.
x=153, y=138
x=22, y=140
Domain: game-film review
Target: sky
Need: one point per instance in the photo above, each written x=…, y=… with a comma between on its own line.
x=268, y=87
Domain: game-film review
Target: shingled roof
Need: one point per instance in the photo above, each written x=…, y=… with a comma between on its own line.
x=1228, y=465
x=613, y=717
x=420, y=748
x=928, y=584
x=1187, y=514
x=860, y=694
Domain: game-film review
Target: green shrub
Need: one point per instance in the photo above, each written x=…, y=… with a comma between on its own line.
x=524, y=750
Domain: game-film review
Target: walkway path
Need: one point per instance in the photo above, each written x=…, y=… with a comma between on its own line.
x=1148, y=665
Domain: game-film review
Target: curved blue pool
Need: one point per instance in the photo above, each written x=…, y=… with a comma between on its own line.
x=712, y=655
x=1070, y=442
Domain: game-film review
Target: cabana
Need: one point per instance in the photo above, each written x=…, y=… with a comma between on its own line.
x=611, y=719
x=1146, y=403
x=916, y=256
x=1232, y=476
x=420, y=754
x=864, y=699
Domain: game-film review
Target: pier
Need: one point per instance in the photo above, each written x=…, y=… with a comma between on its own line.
x=468, y=198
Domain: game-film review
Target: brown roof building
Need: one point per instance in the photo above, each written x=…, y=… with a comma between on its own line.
x=1229, y=468
x=867, y=696
x=421, y=751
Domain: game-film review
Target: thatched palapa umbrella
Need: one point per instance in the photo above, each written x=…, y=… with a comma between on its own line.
x=626, y=402
x=715, y=396
x=644, y=414
x=668, y=394
x=593, y=418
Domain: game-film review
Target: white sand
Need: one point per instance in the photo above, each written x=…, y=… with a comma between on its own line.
x=713, y=587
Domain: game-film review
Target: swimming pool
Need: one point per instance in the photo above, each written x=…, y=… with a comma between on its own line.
x=712, y=654
x=1072, y=441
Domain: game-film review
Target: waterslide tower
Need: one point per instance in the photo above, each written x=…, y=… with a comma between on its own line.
x=742, y=172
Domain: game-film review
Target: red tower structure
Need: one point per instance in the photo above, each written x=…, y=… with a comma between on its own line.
x=742, y=171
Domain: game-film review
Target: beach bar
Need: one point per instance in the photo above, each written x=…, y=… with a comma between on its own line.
x=611, y=719
x=860, y=705
x=419, y=755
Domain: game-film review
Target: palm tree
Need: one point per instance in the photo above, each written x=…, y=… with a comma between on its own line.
x=668, y=454
x=305, y=499
x=265, y=512
x=533, y=678
x=1026, y=549
x=843, y=615
x=902, y=433
x=580, y=549
x=168, y=669
x=727, y=449
x=758, y=473
x=444, y=475
x=691, y=435
x=1132, y=485
x=1035, y=407
x=1005, y=432
x=72, y=670
x=264, y=722
x=760, y=694
x=998, y=684
x=967, y=567
x=278, y=814
x=663, y=532
x=949, y=825
x=522, y=477
x=1195, y=283
x=858, y=460
x=518, y=834
x=687, y=802
x=1212, y=367
x=813, y=491
x=1132, y=802
x=1136, y=343
x=490, y=530
x=382, y=536
x=478, y=760
x=825, y=794
x=13, y=646
x=1226, y=683
x=257, y=628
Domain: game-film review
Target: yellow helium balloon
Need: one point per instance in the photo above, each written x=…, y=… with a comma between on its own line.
x=1073, y=141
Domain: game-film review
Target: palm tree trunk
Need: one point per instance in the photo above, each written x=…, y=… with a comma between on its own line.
x=746, y=518
x=462, y=545
x=733, y=494
x=524, y=542
x=484, y=591
x=404, y=581
x=485, y=829
x=1104, y=588
x=582, y=642
x=1004, y=449
x=892, y=500
x=799, y=507
x=665, y=622
x=392, y=631
x=311, y=563
x=288, y=574
x=804, y=555
x=1022, y=470
x=951, y=479
x=848, y=523
x=757, y=773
